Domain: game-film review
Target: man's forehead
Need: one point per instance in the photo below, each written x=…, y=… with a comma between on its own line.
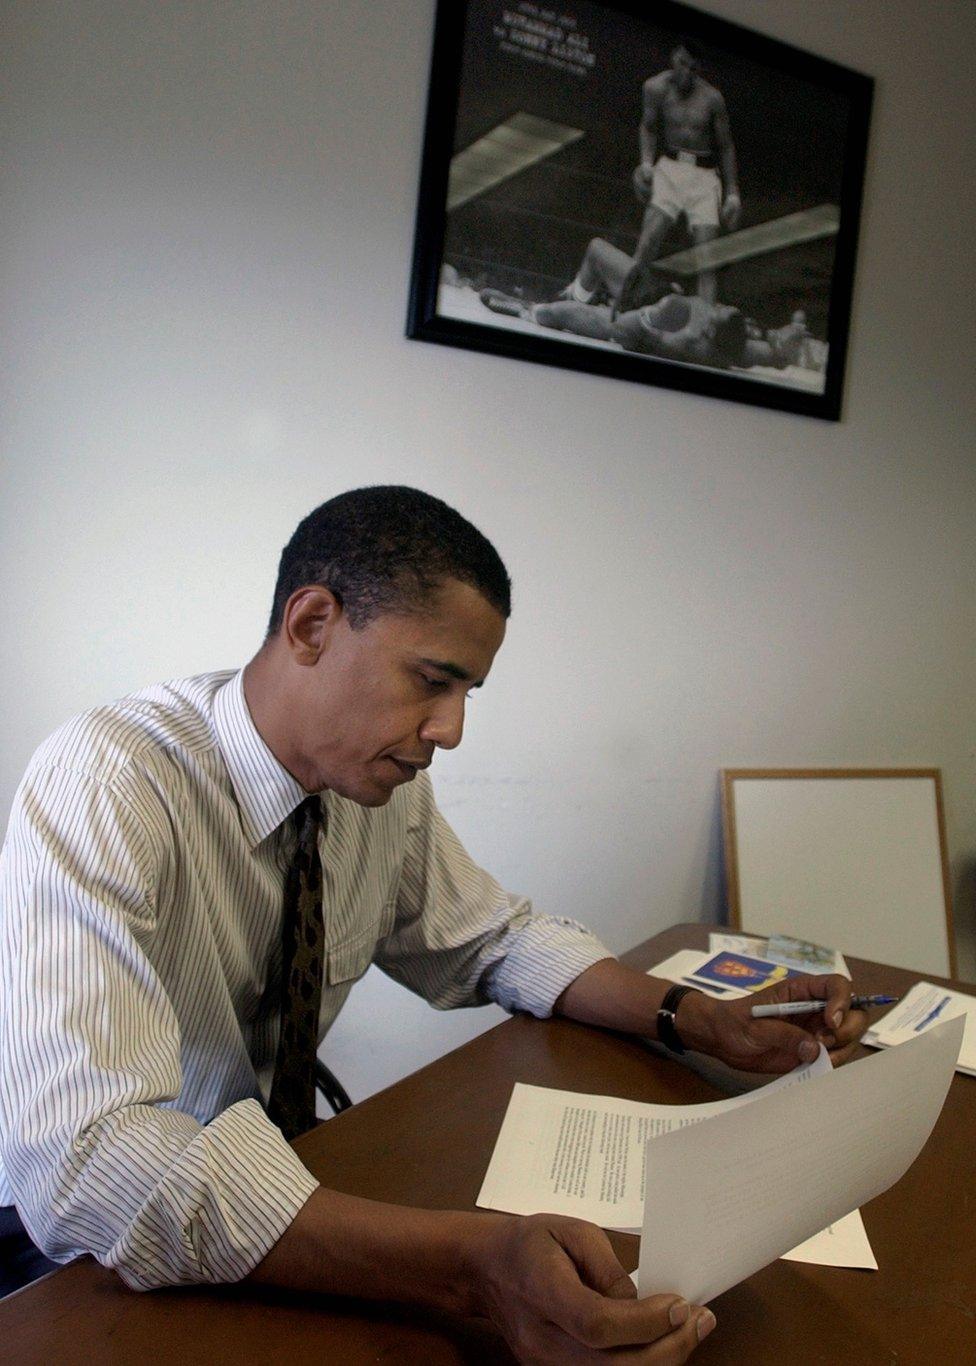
x=457, y=630
x=456, y=605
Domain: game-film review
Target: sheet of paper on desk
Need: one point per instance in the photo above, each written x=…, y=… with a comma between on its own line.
x=566, y=1153
x=842, y=1243
x=724, y=1199
x=922, y=1008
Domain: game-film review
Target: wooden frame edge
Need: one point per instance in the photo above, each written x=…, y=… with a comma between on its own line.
x=731, y=775
x=729, y=842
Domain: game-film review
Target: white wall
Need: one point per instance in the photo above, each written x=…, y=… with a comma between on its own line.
x=208, y=225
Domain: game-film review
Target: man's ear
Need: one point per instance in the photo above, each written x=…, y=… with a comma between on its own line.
x=309, y=620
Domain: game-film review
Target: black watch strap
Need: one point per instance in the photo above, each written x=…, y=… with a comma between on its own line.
x=667, y=1032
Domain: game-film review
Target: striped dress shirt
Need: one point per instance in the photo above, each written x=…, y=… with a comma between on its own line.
x=140, y=961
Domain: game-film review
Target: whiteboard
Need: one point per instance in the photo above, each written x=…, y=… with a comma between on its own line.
x=854, y=859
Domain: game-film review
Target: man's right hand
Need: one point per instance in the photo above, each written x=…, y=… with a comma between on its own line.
x=551, y=1286
x=555, y=1290
x=643, y=181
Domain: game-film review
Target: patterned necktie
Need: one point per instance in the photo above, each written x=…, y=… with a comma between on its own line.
x=292, y=1102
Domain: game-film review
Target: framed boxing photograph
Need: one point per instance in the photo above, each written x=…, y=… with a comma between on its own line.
x=643, y=191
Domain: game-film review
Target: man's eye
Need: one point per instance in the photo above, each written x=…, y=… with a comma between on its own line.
x=434, y=682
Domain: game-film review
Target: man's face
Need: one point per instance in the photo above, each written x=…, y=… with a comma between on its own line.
x=380, y=700
x=683, y=67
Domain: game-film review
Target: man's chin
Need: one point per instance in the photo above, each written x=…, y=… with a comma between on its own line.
x=365, y=794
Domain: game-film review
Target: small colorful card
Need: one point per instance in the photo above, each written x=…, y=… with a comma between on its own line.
x=801, y=954
x=748, y=974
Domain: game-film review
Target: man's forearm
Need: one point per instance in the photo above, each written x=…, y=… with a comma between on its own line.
x=729, y=169
x=647, y=134
x=344, y=1245
x=616, y=997
x=552, y=1286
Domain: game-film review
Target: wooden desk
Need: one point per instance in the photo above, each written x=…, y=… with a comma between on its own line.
x=427, y=1141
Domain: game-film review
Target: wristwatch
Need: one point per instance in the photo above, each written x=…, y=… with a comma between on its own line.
x=667, y=1033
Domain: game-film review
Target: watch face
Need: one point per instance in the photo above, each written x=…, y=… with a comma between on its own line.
x=666, y=1031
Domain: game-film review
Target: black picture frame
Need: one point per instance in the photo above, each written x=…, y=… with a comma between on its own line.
x=532, y=128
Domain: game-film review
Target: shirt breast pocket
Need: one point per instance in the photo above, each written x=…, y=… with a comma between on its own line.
x=348, y=961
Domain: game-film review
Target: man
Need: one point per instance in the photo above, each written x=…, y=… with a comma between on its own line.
x=687, y=167
x=673, y=327
x=151, y=1035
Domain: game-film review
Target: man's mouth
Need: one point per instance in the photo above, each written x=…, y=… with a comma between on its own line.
x=410, y=767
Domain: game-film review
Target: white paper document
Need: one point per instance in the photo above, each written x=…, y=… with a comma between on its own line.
x=843, y=1243
x=566, y=1153
x=724, y=1199
x=921, y=1009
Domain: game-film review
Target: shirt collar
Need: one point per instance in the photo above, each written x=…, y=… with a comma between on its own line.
x=266, y=792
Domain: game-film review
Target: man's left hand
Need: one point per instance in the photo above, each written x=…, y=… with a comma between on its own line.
x=731, y=210
x=727, y=1030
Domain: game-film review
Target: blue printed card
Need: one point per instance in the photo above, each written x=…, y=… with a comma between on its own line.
x=738, y=970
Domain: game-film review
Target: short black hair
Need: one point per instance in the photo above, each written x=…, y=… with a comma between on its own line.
x=387, y=549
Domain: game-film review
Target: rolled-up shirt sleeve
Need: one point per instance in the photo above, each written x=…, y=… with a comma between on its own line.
x=459, y=939
x=96, y=1155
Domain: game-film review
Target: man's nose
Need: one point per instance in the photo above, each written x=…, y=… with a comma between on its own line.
x=445, y=726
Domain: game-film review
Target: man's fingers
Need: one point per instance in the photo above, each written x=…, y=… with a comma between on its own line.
x=622, y=1289
x=730, y=217
x=540, y=1274
x=776, y=1044
x=630, y=1322
x=580, y=1303
x=601, y=1323
x=855, y=1023
x=671, y=1350
x=843, y=1054
x=731, y=209
x=831, y=988
x=783, y=1044
x=836, y=992
x=679, y=1345
x=559, y=1348
x=595, y=1260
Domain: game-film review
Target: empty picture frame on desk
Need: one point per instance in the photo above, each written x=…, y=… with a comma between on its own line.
x=852, y=858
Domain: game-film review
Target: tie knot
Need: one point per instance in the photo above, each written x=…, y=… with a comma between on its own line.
x=307, y=818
